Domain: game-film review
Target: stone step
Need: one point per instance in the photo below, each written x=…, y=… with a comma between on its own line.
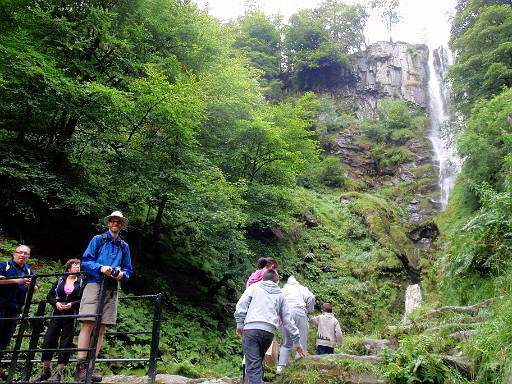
x=429, y=328
x=370, y=359
x=339, y=368
x=453, y=327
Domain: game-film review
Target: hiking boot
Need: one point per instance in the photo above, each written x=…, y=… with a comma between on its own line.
x=81, y=370
x=43, y=375
x=56, y=377
x=96, y=377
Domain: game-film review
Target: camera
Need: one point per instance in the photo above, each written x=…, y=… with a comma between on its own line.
x=115, y=272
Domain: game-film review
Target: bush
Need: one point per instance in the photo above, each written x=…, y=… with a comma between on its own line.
x=396, y=124
x=333, y=173
x=491, y=348
x=389, y=159
x=417, y=360
x=485, y=243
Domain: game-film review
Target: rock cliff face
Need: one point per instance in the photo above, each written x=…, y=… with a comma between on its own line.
x=398, y=71
x=389, y=70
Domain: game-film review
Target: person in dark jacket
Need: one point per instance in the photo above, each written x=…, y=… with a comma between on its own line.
x=15, y=277
x=65, y=298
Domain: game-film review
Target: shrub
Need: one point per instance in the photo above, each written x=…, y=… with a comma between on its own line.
x=333, y=173
x=418, y=360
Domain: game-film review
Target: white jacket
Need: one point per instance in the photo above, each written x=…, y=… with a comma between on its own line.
x=298, y=296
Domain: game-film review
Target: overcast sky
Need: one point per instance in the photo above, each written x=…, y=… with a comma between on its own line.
x=424, y=21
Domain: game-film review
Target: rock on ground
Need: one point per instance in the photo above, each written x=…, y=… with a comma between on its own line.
x=166, y=379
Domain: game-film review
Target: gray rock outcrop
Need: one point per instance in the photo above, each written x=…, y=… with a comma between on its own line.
x=389, y=70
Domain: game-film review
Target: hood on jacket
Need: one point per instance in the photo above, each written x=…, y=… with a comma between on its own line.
x=270, y=287
x=292, y=281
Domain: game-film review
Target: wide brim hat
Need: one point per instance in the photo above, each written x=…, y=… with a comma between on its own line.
x=117, y=214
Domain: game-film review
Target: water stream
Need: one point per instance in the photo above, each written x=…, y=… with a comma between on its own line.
x=445, y=155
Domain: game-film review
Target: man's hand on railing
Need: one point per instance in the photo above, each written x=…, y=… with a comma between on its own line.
x=24, y=281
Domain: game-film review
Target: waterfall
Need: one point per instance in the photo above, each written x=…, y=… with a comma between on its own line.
x=413, y=300
x=445, y=155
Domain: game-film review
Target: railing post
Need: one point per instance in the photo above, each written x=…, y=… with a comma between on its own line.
x=21, y=329
x=91, y=354
x=36, y=332
x=155, y=337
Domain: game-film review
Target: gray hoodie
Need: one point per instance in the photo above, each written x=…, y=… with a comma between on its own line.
x=261, y=306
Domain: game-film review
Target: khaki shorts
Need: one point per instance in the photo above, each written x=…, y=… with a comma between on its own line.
x=89, y=303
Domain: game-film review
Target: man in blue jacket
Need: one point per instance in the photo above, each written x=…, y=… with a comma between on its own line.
x=258, y=313
x=13, y=289
x=107, y=256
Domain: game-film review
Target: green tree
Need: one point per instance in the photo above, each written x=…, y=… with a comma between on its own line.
x=345, y=23
x=315, y=60
x=258, y=37
x=486, y=142
x=389, y=13
x=481, y=35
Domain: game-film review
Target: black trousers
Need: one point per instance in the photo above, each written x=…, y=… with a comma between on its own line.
x=63, y=328
x=7, y=327
x=255, y=343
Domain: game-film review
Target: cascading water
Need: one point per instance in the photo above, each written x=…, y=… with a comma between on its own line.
x=445, y=155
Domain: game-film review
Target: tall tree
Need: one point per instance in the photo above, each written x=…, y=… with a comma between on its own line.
x=389, y=12
x=481, y=35
x=258, y=37
x=315, y=59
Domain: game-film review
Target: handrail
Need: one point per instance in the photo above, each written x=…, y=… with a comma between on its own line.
x=39, y=318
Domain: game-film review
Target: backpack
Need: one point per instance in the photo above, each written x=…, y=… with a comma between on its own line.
x=110, y=283
x=104, y=239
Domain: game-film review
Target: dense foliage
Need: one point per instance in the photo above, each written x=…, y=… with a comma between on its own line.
x=215, y=141
x=476, y=265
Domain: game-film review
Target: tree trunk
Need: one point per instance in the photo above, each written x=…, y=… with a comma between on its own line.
x=157, y=226
x=23, y=124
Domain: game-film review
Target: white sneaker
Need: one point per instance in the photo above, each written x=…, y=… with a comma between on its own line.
x=280, y=369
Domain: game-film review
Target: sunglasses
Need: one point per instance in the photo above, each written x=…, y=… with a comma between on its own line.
x=116, y=222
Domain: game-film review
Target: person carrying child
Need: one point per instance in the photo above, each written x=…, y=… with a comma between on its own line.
x=329, y=330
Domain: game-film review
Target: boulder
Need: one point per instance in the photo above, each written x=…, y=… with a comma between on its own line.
x=377, y=346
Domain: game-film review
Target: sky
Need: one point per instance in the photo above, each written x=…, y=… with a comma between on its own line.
x=423, y=21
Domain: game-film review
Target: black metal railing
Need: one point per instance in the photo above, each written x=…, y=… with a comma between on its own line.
x=37, y=320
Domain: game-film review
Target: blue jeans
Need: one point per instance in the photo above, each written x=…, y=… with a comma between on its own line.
x=323, y=350
x=255, y=343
